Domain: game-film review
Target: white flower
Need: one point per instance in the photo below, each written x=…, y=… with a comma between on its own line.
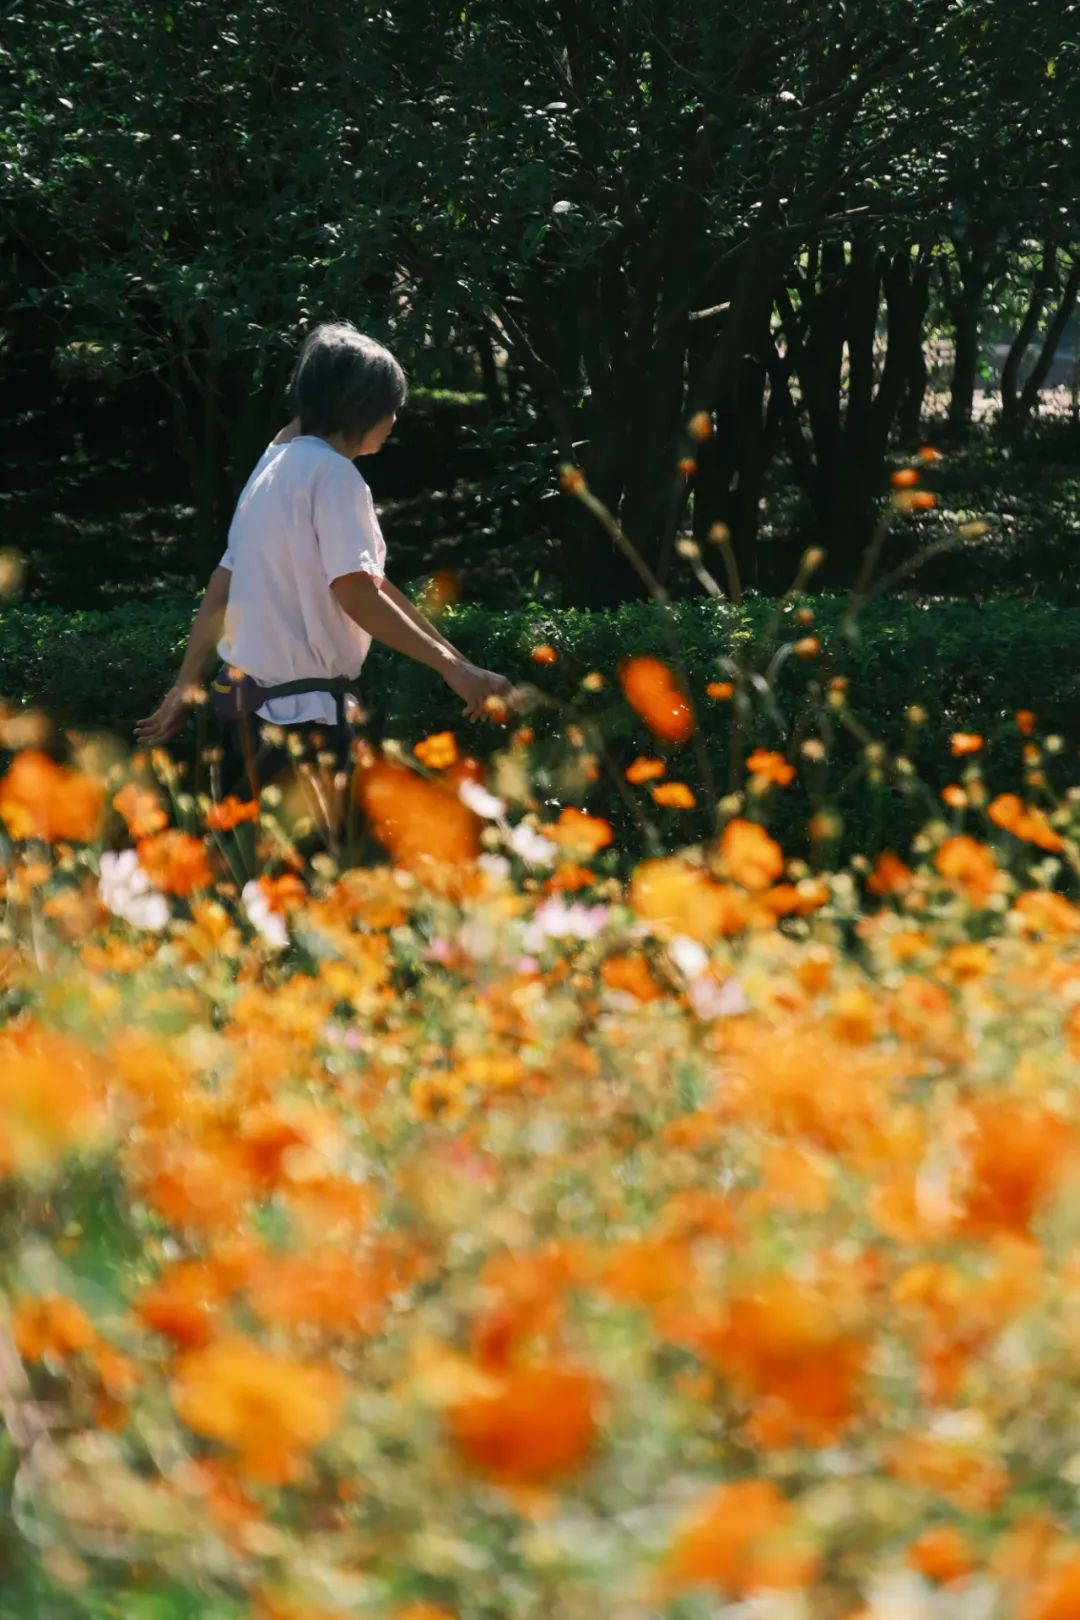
x=708, y=997
x=269, y=924
x=480, y=801
x=554, y=920
x=531, y=847
x=127, y=892
x=711, y=999
x=496, y=866
x=689, y=957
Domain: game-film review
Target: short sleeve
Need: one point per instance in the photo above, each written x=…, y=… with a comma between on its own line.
x=227, y=560
x=346, y=526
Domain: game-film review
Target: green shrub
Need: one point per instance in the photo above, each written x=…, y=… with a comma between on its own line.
x=971, y=667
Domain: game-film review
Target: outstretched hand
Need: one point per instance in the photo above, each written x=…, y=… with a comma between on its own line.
x=167, y=719
x=475, y=686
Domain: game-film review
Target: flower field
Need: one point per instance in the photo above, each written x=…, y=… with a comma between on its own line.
x=494, y=1230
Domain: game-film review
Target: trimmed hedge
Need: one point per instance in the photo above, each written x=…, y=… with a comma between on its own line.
x=970, y=666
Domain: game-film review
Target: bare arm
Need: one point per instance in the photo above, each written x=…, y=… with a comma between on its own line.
x=171, y=713
x=377, y=612
x=419, y=619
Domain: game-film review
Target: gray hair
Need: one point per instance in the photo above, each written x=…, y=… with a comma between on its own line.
x=344, y=383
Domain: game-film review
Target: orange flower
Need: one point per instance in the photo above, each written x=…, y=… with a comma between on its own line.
x=905, y=478
x=205, y=1188
x=51, y=1326
x=739, y=1540
x=1006, y=810
x=806, y=1085
x=720, y=691
x=52, y=1098
x=280, y=1606
x=687, y=466
x=795, y=1178
x=527, y=1292
x=799, y=899
x=442, y=589
x=650, y=1271
x=580, y=832
x=419, y=822
x=970, y=868
x=183, y=1303
x=230, y=812
x=923, y=501
x=770, y=767
x=749, y=855
x=141, y=809
x=965, y=742
x=568, y=878
x=1057, y=1596
x=674, y=796
x=657, y=697
x=1025, y=722
x=438, y=751
x=40, y=799
x=534, y=1424
x=270, y=1409
x=954, y=796
x=1042, y=911
x=1023, y=1553
x=929, y=456
x=325, y=1289
x=785, y=1348
x=959, y=1473
x=683, y=899
x=701, y=426
x=630, y=973
x=807, y=647
x=645, y=770
x=176, y=862
x=1017, y=1157
x=942, y=1554
x=1026, y=822
x=544, y=654
x=284, y=893
x=890, y=875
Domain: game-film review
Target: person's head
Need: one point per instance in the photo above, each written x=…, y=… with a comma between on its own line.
x=347, y=388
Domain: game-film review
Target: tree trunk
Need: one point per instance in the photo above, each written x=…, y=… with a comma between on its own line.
x=964, y=296
x=916, y=377
x=1013, y=416
x=489, y=373
x=1029, y=396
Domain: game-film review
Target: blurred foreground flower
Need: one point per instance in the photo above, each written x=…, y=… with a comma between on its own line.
x=41, y=799
x=127, y=892
x=657, y=697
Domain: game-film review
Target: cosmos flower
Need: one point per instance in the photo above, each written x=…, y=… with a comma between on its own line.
x=127, y=892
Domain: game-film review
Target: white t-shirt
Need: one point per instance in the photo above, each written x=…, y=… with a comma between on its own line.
x=304, y=518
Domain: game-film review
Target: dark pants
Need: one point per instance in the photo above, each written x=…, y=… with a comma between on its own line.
x=274, y=762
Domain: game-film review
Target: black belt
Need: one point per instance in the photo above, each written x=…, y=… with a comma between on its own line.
x=339, y=688
x=236, y=696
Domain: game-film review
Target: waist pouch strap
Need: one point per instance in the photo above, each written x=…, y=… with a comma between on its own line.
x=231, y=698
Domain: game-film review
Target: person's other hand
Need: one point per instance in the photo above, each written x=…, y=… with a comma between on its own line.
x=167, y=719
x=475, y=685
